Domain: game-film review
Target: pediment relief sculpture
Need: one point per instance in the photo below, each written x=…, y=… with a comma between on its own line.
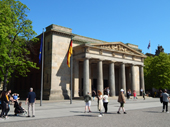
x=117, y=47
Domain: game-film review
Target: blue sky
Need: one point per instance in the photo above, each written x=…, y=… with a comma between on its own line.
x=128, y=21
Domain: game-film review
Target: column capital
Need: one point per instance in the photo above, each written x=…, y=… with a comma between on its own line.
x=86, y=58
x=122, y=63
x=141, y=65
x=99, y=60
x=111, y=61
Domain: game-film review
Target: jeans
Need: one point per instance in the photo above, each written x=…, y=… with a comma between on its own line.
x=165, y=104
x=105, y=106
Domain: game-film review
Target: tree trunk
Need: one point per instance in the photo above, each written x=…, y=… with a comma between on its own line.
x=5, y=81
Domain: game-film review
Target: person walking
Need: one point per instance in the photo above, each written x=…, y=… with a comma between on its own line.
x=141, y=91
x=134, y=95
x=165, y=101
x=87, y=100
x=105, y=101
x=93, y=94
x=108, y=91
x=100, y=102
x=31, y=98
x=160, y=95
x=121, y=100
x=5, y=104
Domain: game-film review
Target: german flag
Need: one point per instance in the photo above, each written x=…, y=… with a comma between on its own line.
x=70, y=52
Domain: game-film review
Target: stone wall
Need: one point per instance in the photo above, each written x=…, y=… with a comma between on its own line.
x=60, y=73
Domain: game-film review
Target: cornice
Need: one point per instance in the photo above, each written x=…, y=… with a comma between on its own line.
x=113, y=51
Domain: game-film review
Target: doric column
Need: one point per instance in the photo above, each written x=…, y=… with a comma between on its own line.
x=142, y=83
x=90, y=80
x=100, y=76
x=112, y=79
x=133, y=77
x=123, y=76
x=76, y=78
x=85, y=77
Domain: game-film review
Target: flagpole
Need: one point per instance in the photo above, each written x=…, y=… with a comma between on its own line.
x=71, y=71
x=71, y=62
x=42, y=66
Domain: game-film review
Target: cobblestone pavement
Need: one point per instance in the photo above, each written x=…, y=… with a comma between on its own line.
x=63, y=114
x=149, y=117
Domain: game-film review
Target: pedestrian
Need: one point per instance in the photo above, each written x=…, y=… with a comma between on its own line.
x=100, y=102
x=87, y=100
x=165, y=101
x=5, y=104
x=10, y=98
x=19, y=109
x=134, y=95
x=93, y=94
x=105, y=101
x=15, y=97
x=31, y=98
x=121, y=100
x=108, y=90
x=105, y=89
x=141, y=91
x=130, y=92
x=143, y=94
x=160, y=95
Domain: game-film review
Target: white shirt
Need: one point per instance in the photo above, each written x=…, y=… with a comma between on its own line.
x=105, y=98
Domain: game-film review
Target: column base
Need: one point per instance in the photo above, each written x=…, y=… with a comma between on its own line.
x=76, y=94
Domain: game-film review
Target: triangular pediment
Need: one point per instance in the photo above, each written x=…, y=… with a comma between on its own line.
x=119, y=47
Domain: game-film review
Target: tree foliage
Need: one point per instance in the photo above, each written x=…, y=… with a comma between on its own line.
x=15, y=35
x=157, y=71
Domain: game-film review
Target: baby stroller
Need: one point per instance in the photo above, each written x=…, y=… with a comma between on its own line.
x=18, y=109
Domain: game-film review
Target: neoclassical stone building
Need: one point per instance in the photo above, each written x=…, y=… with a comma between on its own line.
x=96, y=64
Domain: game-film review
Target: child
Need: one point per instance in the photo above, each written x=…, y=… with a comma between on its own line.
x=15, y=96
x=134, y=94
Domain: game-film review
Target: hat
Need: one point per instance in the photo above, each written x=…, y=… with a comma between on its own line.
x=121, y=90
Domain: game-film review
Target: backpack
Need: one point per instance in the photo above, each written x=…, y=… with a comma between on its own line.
x=86, y=98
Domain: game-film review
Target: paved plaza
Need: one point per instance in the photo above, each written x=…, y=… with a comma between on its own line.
x=63, y=114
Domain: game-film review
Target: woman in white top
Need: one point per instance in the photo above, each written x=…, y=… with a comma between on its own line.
x=100, y=102
x=105, y=101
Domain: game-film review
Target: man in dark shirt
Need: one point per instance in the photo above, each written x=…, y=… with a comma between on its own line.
x=31, y=98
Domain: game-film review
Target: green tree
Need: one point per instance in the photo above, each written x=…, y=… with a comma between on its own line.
x=157, y=71
x=15, y=35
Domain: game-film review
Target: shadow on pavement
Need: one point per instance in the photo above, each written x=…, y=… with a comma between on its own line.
x=82, y=112
x=88, y=115
x=12, y=115
x=152, y=111
x=93, y=112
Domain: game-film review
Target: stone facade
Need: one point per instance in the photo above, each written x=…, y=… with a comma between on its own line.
x=96, y=64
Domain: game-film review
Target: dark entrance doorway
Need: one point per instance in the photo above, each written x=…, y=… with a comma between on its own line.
x=105, y=82
x=94, y=85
